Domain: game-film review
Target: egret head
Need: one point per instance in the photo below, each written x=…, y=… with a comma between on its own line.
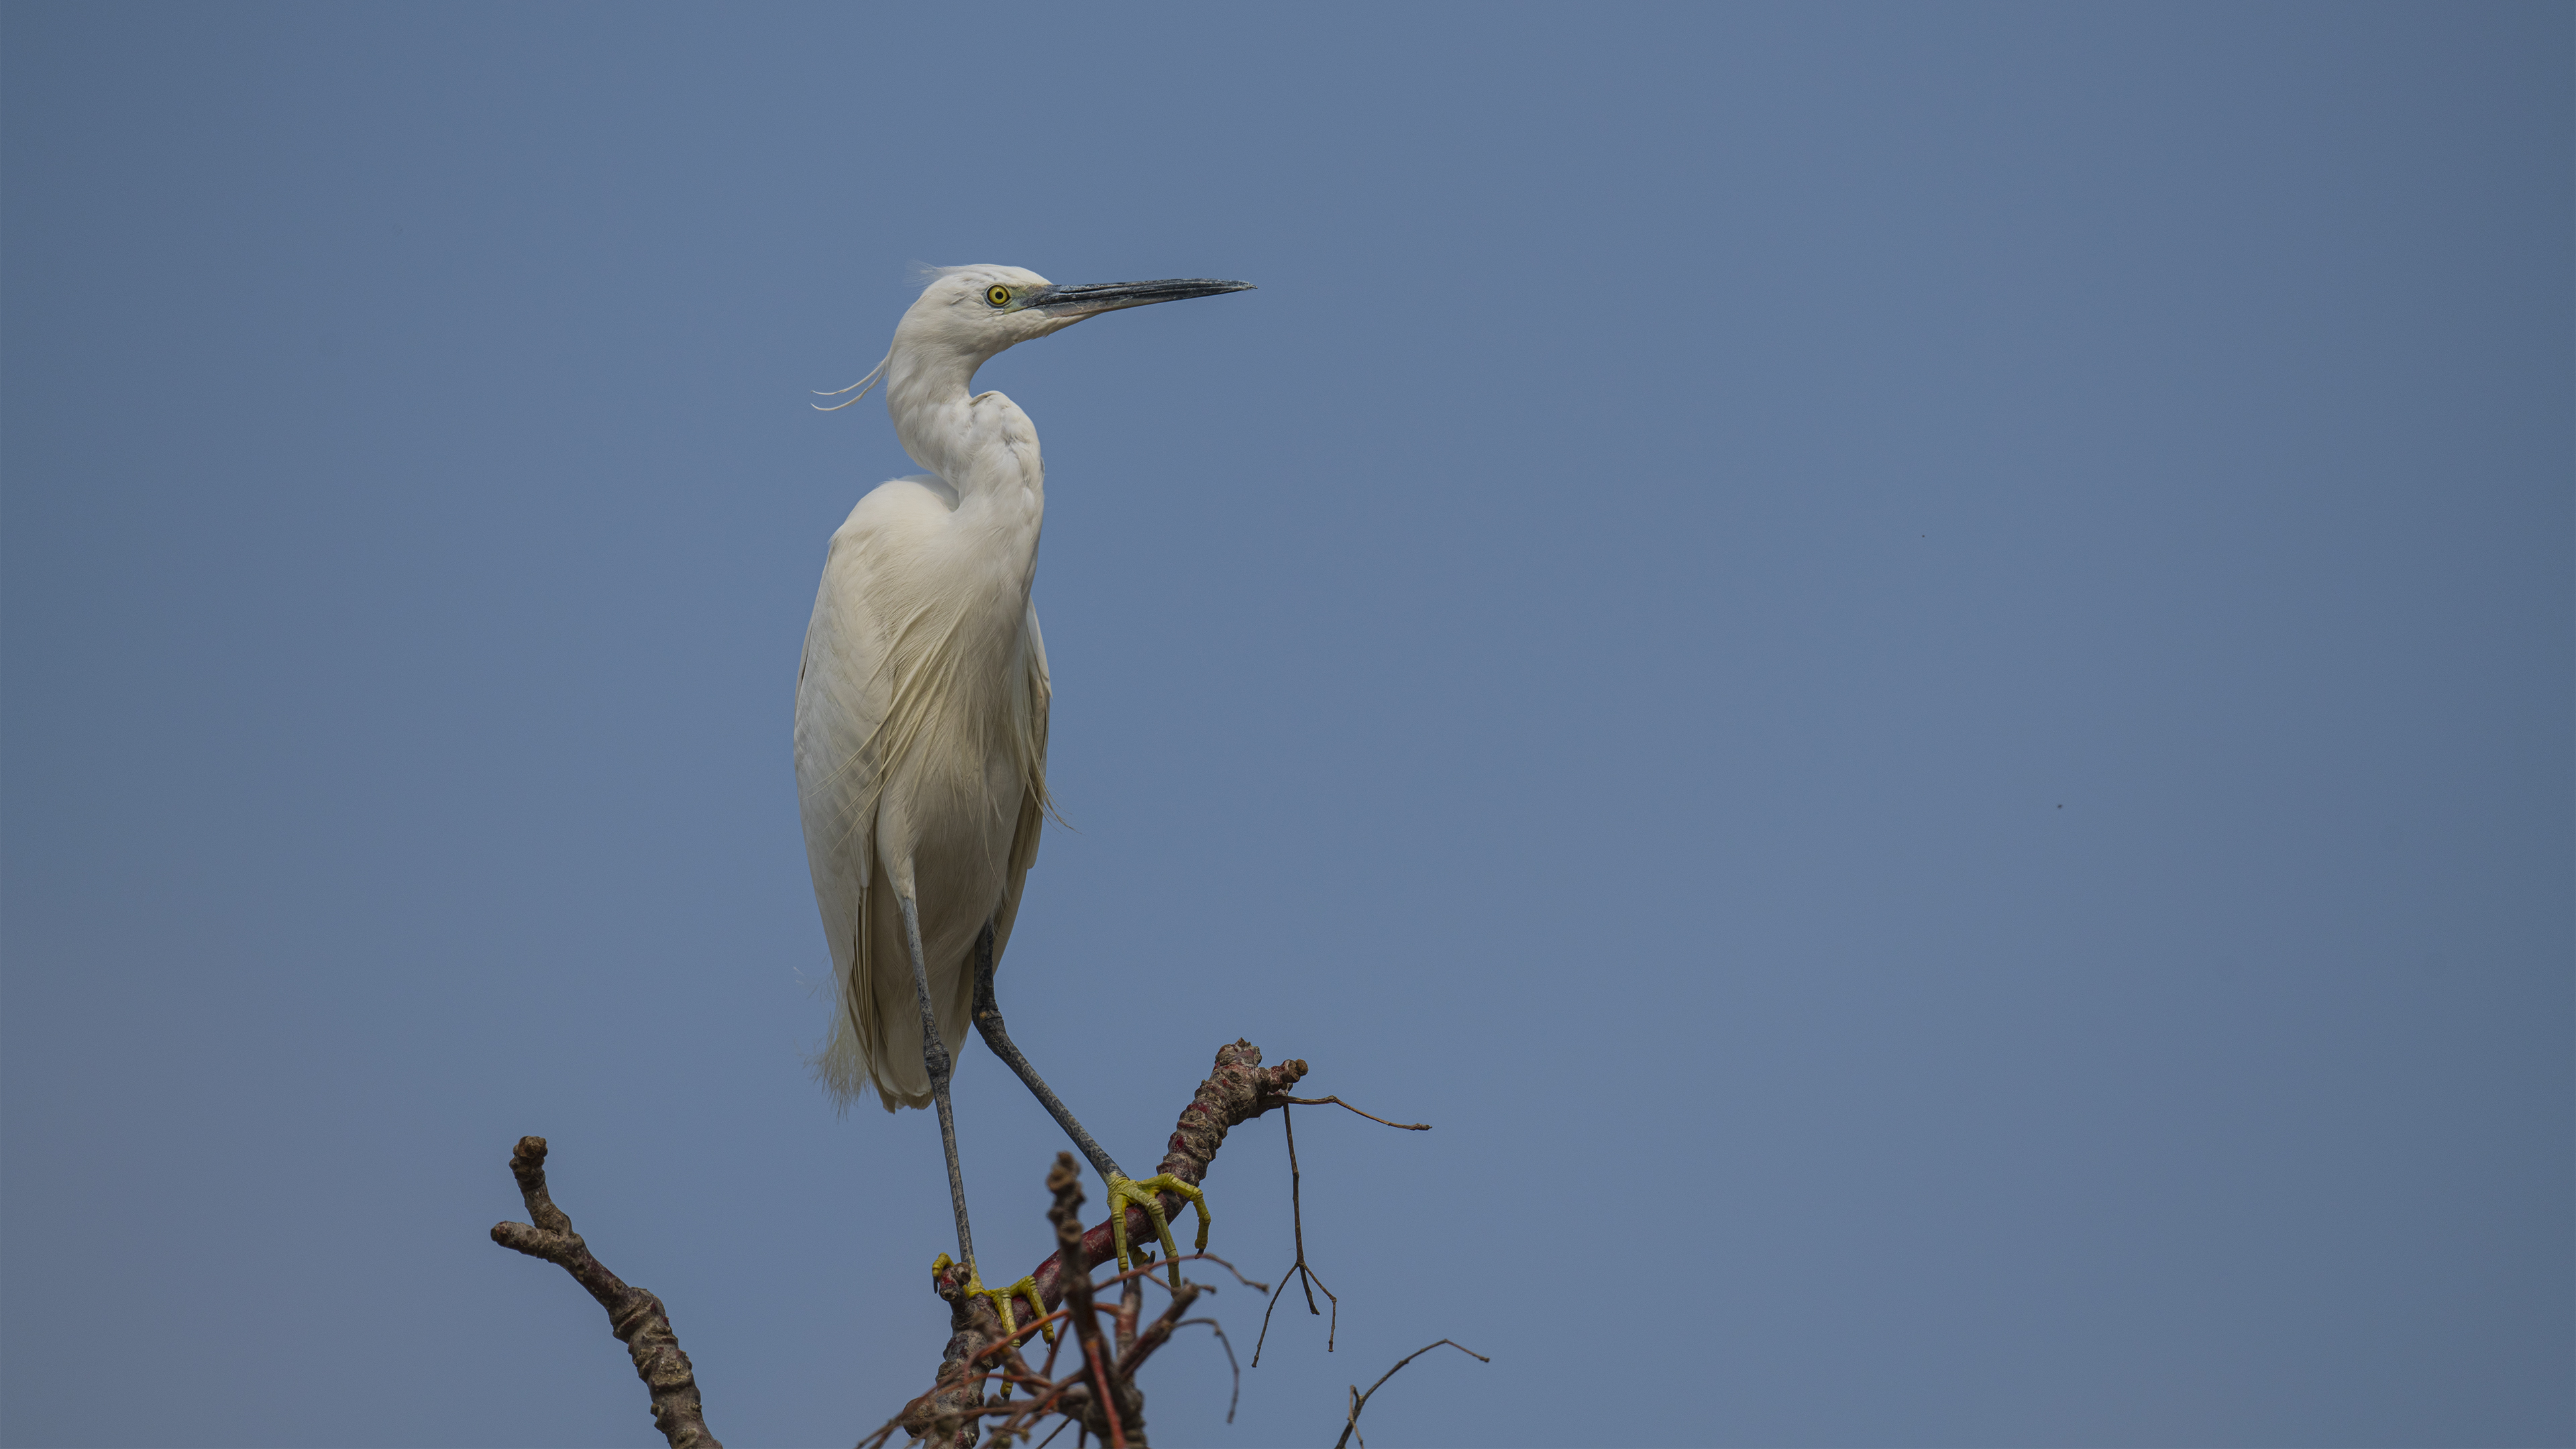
x=980, y=310
x=969, y=314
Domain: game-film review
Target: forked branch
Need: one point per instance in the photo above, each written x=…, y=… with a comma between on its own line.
x=1304, y=1275
x=1298, y=1270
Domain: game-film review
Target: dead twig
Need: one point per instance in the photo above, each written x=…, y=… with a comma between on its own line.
x=1297, y=1219
x=1372, y=1116
x=1254, y=1284
x=1298, y=1269
x=1359, y=1401
x=1219, y=1330
x=634, y=1315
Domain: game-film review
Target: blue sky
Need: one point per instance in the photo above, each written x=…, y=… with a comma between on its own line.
x=1909, y=665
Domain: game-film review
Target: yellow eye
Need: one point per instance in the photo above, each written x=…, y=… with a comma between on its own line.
x=997, y=295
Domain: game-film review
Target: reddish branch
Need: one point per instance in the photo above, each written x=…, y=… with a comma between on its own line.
x=634, y=1315
x=1108, y=1412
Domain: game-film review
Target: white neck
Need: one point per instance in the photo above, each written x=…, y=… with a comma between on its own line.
x=927, y=393
x=983, y=448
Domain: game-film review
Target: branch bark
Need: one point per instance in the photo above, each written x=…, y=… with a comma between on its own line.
x=1238, y=1088
x=945, y=1417
x=634, y=1314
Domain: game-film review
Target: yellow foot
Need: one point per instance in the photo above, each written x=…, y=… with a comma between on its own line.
x=1147, y=1195
x=1025, y=1288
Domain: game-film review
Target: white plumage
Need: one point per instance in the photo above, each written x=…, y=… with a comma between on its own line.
x=921, y=705
x=921, y=715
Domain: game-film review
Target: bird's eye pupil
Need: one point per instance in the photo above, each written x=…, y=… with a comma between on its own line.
x=998, y=295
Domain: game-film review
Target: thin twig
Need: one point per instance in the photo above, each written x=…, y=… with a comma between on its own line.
x=1359, y=1401
x=1372, y=1116
x=1219, y=1330
x=1298, y=1269
x=1254, y=1284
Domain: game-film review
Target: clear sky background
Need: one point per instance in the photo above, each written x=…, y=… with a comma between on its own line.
x=1909, y=665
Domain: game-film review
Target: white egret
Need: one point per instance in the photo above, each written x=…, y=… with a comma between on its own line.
x=921, y=719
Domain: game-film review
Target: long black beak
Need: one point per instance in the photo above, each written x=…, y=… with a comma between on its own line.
x=1087, y=298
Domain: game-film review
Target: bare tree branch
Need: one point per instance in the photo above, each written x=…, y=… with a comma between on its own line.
x=634, y=1315
x=1100, y=1394
x=1359, y=1401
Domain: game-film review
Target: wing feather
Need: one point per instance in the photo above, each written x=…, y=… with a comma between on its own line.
x=841, y=700
x=1034, y=804
x=874, y=678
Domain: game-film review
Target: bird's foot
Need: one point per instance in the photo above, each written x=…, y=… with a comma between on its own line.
x=1148, y=1196
x=1001, y=1297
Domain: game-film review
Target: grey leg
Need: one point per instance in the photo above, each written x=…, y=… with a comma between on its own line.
x=988, y=1020
x=934, y=1056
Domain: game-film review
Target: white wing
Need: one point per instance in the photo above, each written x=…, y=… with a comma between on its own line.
x=846, y=689
x=843, y=694
x=1033, y=803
